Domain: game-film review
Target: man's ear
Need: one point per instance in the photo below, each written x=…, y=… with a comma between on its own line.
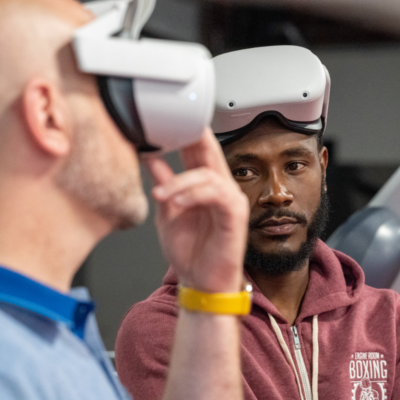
x=45, y=116
x=323, y=159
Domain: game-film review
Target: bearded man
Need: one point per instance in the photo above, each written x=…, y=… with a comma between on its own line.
x=68, y=177
x=315, y=327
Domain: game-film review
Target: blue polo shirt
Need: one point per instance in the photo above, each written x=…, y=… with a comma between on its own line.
x=50, y=347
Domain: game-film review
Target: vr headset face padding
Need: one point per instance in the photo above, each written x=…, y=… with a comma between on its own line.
x=118, y=98
x=286, y=82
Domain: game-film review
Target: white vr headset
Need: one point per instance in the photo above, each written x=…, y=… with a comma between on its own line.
x=287, y=82
x=161, y=94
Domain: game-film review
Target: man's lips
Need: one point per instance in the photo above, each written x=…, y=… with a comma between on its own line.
x=274, y=227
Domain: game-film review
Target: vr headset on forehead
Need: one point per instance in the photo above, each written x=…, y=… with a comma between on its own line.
x=286, y=82
x=160, y=93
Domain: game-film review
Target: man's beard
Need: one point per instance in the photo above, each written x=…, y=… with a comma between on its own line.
x=286, y=261
x=93, y=176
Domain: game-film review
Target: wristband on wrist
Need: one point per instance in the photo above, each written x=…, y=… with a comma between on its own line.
x=216, y=303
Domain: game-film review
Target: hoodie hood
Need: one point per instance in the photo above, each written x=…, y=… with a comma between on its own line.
x=336, y=281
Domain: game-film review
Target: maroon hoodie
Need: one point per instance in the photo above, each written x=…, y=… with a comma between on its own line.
x=346, y=346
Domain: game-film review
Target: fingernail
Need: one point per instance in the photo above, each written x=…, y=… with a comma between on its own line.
x=180, y=200
x=159, y=192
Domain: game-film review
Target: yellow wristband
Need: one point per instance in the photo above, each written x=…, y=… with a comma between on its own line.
x=216, y=303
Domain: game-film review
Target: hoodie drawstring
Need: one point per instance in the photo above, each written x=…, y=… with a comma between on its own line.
x=289, y=358
x=315, y=357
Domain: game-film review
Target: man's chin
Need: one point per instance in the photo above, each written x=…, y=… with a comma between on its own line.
x=279, y=261
x=277, y=244
x=133, y=215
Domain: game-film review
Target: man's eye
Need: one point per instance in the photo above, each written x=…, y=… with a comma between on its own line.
x=295, y=166
x=242, y=172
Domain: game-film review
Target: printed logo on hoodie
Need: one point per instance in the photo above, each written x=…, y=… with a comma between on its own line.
x=368, y=375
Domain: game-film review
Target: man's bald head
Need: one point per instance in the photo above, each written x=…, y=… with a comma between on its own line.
x=34, y=36
x=53, y=123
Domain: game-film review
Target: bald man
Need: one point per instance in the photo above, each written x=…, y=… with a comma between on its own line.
x=67, y=178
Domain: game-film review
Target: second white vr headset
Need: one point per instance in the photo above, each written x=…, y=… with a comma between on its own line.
x=160, y=93
x=287, y=82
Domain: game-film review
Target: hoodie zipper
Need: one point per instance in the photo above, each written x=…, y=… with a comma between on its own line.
x=300, y=363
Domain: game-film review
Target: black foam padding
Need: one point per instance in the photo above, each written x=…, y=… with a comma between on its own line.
x=119, y=100
x=225, y=138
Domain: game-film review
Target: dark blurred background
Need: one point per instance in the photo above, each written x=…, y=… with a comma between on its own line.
x=359, y=43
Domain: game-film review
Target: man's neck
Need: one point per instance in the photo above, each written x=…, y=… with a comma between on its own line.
x=286, y=292
x=45, y=235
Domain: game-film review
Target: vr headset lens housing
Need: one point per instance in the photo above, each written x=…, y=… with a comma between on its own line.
x=159, y=93
x=286, y=82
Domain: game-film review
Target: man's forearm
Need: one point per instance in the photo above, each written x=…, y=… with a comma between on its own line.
x=205, y=362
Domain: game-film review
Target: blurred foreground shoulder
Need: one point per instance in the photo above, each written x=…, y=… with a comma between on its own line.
x=43, y=360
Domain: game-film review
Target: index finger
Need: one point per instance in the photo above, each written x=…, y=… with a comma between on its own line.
x=206, y=153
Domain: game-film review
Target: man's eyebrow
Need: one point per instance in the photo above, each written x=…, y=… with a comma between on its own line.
x=243, y=158
x=296, y=152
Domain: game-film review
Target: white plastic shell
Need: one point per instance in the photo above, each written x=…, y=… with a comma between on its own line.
x=287, y=79
x=174, y=114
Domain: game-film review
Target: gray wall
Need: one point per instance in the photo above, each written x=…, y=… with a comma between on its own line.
x=364, y=117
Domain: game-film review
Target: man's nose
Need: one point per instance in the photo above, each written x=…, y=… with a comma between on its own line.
x=275, y=193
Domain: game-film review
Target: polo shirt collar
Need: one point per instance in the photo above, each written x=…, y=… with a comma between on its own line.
x=24, y=292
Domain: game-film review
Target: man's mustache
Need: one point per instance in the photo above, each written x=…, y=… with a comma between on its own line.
x=277, y=213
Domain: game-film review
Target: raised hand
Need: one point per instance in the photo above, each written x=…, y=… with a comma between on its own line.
x=202, y=218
